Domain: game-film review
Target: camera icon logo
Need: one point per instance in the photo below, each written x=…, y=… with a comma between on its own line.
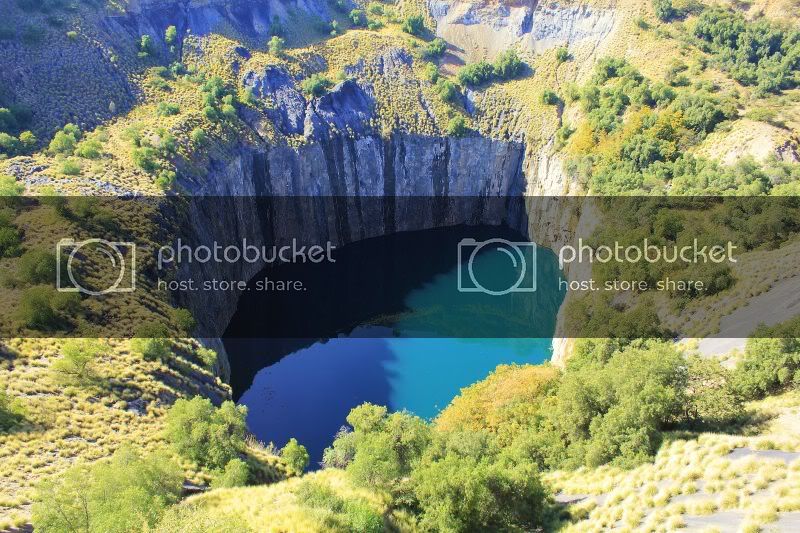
x=496, y=266
x=112, y=266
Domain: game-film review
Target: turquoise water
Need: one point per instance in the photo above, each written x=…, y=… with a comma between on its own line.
x=305, y=388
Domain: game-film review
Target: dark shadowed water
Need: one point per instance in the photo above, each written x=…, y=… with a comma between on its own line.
x=400, y=334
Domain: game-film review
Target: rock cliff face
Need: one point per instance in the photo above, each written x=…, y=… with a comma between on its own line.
x=343, y=155
x=483, y=29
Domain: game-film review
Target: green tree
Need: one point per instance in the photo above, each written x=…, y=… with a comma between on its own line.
x=43, y=308
x=457, y=126
x=276, y=45
x=508, y=65
x=10, y=187
x=475, y=74
x=447, y=90
x=77, y=362
x=358, y=18
x=550, y=98
x=170, y=35
x=11, y=413
x=37, y=266
x=208, y=435
x=235, y=474
x=316, y=85
x=147, y=47
x=295, y=456
x=414, y=24
x=711, y=398
x=435, y=49
x=664, y=10
x=113, y=496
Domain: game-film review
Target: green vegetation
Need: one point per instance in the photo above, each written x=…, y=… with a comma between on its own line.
x=771, y=361
x=14, y=138
x=210, y=436
x=457, y=126
x=235, y=474
x=562, y=54
x=147, y=47
x=64, y=141
x=414, y=24
x=507, y=66
x=435, y=49
x=664, y=10
x=295, y=456
x=316, y=85
x=759, y=53
x=43, y=308
x=118, y=495
x=447, y=90
x=550, y=98
x=11, y=412
x=77, y=364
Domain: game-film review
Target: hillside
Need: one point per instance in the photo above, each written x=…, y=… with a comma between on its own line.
x=169, y=98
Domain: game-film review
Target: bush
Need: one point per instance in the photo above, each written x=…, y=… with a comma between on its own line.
x=712, y=400
x=236, y=474
x=771, y=361
x=316, y=85
x=295, y=456
x=170, y=35
x=37, y=266
x=70, y=167
x=199, y=136
x=10, y=187
x=43, y=308
x=358, y=17
x=11, y=412
x=114, y=496
x=431, y=73
x=166, y=109
x=65, y=140
x=340, y=513
x=467, y=487
x=508, y=65
x=76, y=364
x=414, y=24
x=147, y=47
x=10, y=241
x=550, y=98
x=144, y=157
x=151, y=349
x=457, y=126
x=475, y=74
x=447, y=91
x=562, y=54
x=207, y=435
x=664, y=10
x=89, y=149
x=435, y=49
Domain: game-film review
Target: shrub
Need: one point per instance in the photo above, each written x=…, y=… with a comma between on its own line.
x=10, y=241
x=295, y=456
x=358, y=18
x=334, y=25
x=414, y=24
x=28, y=141
x=562, y=54
x=435, y=49
x=771, y=360
x=147, y=47
x=9, y=186
x=151, y=348
x=37, y=266
x=447, y=91
x=236, y=474
x=508, y=65
x=550, y=98
x=475, y=74
x=184, y=319
x=170, y=35
x=316, y=85
x=199, y=136
x=89, y=149
x=77, y=361
x=11, y=412
x=114, y=496
x=430, y=72
x=65, y=140
x=43, y=308
x=457, y=126
x=207, y=435
x=343, y=514
x=375, y=8
x=144, y=157
x=712, y=400
x=166, y=109
x=664, y=10
x=70, y=167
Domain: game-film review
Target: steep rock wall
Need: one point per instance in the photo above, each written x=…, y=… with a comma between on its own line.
x=483, y=29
